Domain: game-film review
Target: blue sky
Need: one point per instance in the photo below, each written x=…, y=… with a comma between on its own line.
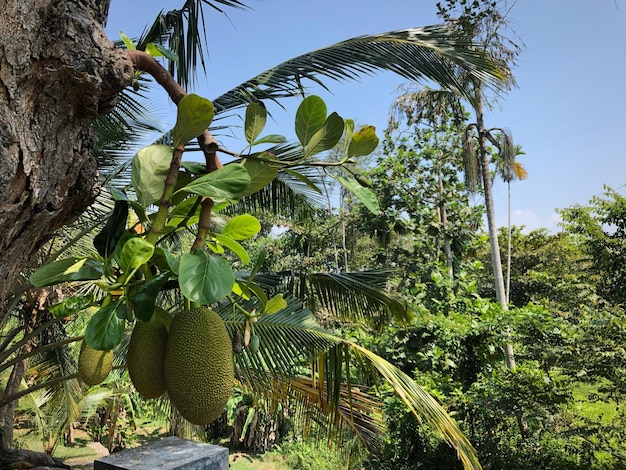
x=568, y=111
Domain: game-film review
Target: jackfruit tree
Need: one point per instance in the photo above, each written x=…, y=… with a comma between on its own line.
x=132, y=262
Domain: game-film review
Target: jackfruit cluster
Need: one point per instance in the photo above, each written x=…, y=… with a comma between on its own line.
x=94, y=365
x=199, y=370
x=146, y=357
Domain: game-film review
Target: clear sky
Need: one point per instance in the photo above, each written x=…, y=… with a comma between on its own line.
x=568, y=112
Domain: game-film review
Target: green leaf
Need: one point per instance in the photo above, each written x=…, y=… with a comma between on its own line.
x=348, y=130
x=233, y=246
x=275, y=304
x=363, y=142
x=105, y=329
x=205, y=279
x=261, y=174
x=305, y=179
x=157, y=50
x=228, y=182
x=69, y=269
x=166, y=260
x=242, y=227
x=270, y=139
x=149, y=169
x=144, y=300
x=128, y=42
x=194, y=116
x=135, y=252
x=365, y=195
x=310, y=118
x=70, y=306
x=256, y=118
x=105, y=241
x=196, y=168
x=326, y=137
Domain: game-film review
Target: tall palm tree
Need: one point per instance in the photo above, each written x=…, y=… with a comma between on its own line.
x=509, y=169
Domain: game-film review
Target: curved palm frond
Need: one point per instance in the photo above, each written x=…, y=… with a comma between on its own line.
x=429, y=53
x=300, y=360
x=183, y=31
x=354, y=296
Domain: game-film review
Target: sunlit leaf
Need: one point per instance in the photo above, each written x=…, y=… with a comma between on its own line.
x=135, y=252
x=310, y=118
x=326, y=137
x=194, y=116
x=256, y=117
x=228, y=182
x=242, y=227
x=68, y=269
x=363, y=142
x=233, y=246
x=261, y=174
x=149, y=170
x=365, y=195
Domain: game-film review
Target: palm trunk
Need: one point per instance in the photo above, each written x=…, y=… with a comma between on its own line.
x=509, y=356
x=508, y=250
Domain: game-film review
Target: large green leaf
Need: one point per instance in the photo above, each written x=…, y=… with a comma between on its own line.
x=135, y=252
x=105, y=329
x=228, y=182
x=105, y=241
x=194, y=116
x=242, y=227
x=261, y=174
x=363, y=142
x=65, y=270
x=233, y=246
x=149, y=170
x=365, y=195
x=205, y=279
x=310, y=118
x=326, y=137
x=256, y=117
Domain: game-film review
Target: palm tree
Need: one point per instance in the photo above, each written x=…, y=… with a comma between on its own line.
x=510, y=170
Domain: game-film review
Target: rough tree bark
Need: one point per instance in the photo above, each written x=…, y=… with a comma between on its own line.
x=58, y=73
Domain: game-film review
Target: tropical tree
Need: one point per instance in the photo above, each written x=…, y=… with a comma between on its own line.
x=430, y=53
x=510, y=170
x=47, y=184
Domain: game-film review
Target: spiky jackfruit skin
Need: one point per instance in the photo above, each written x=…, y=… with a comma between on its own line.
x=94, y=365
x=145, y=358
x=199, y=368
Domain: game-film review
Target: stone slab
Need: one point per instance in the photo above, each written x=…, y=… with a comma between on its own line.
x=170, y=453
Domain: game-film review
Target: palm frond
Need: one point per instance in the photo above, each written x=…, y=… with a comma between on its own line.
x=299, y=359
x=355, y=296
x=414, y=106
x=432, y=53
x=422, y=404
x=183, y=31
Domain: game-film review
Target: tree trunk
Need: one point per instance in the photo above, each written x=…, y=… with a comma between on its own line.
x=509, y=357
x=58, y=73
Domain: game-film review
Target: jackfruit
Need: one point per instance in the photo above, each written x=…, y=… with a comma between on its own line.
x=146, y=357
x=94, y=365
x=199, y=368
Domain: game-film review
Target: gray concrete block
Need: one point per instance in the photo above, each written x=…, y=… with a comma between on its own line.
x=170, y=453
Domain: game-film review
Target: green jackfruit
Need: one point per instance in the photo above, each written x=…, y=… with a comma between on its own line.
x=146, y=357
x=94, y=365
x=199, y=367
